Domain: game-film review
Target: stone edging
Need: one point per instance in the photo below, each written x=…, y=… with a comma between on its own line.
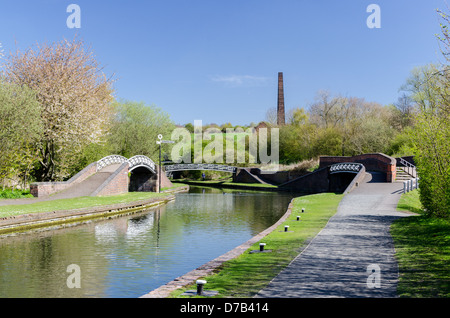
x=25, y=222
x=206, y=269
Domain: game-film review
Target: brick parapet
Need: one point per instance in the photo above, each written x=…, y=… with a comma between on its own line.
x=378, y=162
x=41, y=189
x=117, y=183
x=165, y=182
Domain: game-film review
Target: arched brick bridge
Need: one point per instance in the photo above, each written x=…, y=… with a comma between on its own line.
x=113, y=174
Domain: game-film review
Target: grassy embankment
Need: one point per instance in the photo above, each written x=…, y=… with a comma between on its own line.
x=422, y=245
x=79, y=203
x=247, y=274
x=225, y=183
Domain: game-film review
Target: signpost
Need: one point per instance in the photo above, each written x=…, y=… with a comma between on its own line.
x=159, y=142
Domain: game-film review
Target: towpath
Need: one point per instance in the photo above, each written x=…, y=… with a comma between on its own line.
x=353, y=256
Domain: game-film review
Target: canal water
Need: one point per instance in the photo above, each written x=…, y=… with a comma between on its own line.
x=130, y=256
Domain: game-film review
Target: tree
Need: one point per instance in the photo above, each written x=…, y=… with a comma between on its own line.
x=75, y=97
x=327, y=110
x=226, y=126
x=189, y=127
x=20, y=129
x=135, y=129
x=297, y=138
x=402, y=113
x=429, y=87
x=271, y=116
x=362, y=126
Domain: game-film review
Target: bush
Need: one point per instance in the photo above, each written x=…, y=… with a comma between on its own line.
x=15, y=194
x=433, y=164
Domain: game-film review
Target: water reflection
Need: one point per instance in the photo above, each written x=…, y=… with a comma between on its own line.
x=129, y=256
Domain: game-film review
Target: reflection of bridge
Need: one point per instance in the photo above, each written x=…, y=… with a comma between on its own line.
x=110, y=175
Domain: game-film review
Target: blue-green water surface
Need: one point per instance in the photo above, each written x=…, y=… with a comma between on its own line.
x=130, y=256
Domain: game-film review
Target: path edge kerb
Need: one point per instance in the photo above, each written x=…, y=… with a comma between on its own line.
x=31, y=221
x=209, y=267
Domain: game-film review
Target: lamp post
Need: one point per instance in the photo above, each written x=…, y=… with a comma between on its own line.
x=159, y=142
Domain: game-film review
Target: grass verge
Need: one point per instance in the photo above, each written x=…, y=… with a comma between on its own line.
x=76, y=203
x=222, y=183
x=232, y=279
x=422, y=247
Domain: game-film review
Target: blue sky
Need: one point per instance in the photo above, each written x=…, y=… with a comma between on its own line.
x=217, y=60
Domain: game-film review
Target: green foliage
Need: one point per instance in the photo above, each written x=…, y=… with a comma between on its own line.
x=431, y=137
x=295, y=142
x=433, y=163
x=15, y=194
x=189, y=127
x=328, y=141
x=89, y=154
x=402, y=144
x=135, y=128
x=74, y=96
x=20, y=130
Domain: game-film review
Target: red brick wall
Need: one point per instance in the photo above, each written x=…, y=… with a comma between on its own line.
x=117, y=183
x=165, y=182
x=40, y=189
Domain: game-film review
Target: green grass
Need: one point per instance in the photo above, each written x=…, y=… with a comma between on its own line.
x=227, y=182
x=410, y=202
x=257, y=185
x=76, y=203
x=15, y=194
x=232, y=278
x=422, y=245
x=176, y=185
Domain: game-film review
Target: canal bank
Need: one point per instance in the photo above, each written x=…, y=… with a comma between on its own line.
x=131, y=255
x=69, y=217
x=342, y=259
x=212, y=266
x=305, y=217
x=231, y=185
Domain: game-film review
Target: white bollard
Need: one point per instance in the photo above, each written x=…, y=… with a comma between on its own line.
x=200, y=284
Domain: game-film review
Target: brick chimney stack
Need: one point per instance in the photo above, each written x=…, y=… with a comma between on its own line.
x=280, y=109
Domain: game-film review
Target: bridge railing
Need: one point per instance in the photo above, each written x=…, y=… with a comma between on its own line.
x=351, y=167
x=142, y=160
x=409, y=167
x=199, y=166
x=136, y=161
x=110, y=160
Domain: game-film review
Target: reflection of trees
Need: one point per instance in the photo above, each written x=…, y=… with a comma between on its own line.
x=35, y=265
x=150, y=244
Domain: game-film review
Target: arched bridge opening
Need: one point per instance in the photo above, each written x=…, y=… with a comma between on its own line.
x=142, y=171
x=142, y=179
x=341, y=175
x=143, y=175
